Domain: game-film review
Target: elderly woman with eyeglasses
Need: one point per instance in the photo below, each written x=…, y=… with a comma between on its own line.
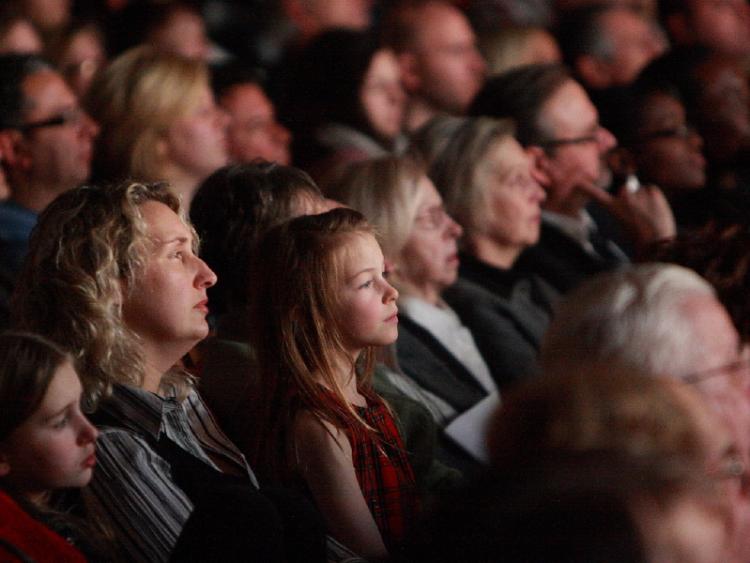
x=485, y=177
x=444, y=367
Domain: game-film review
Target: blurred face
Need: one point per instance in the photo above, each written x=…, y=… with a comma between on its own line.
x=253, y=130
x=449, y=67
x=574, y=164
x=723, y=25
x=542, y=48
x=722, y=111
x=21, y=38
x=367, y=302
x=635, y=45
x=48, y=14
x=511, y=204
x=55, y=447
x=184, y=33
x=167, y=308
x=382, y=96
x=349, y=14
x=196, y=143
x=669, y=151
x=83, y=57
x=429, y=260
x=59, y=154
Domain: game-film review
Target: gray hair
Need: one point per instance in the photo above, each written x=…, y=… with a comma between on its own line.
x=633, y=318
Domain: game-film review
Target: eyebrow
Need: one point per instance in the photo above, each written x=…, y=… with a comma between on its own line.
x=59, y=412
x=366, y=270
x=172, y=239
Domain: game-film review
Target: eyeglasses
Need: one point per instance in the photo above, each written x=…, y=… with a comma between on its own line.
x=433, y=219
x=680, y=132
x=552, y=143
x=72, y=116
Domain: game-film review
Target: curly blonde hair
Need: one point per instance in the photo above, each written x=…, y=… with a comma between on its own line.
x=88, y=246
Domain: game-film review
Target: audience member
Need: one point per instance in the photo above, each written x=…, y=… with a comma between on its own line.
x=232, y=211
x=17, y=34
x=159, y=121
x=46, y=142
x=124, y=292
x=253, y=132
x=630, y=461
x=608, y=44
x=660, y=320
x=510, y=47
x=441, y=67
x=486, y=179
x=659, y=146
x=352, y=106
x=559, y=128
x=318, y=308
x=721, y=25
x=435, y=349
x=715, y=92
x=79, y=54
x=46, y=443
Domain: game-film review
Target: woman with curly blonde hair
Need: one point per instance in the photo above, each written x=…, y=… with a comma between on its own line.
x=113, y=277
x=158, y=121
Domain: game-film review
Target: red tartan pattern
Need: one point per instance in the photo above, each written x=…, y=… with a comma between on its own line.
x=385, y=474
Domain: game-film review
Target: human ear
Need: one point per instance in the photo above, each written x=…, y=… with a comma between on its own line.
x=593, y=71
x=410, y=77
x=14, y=150
x=540, y=163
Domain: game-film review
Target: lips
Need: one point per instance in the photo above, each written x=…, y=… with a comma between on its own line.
x=89, y=461
x=393, y=318
x=202, y=306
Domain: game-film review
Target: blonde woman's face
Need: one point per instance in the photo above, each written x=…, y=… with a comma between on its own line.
x=197, y=143
x=168, y=305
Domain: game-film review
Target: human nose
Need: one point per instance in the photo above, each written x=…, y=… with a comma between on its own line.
x=605, y=139
x=452, y=229
x=205, y=277
x=89, y=126
x=87, y=432
x=390, y=293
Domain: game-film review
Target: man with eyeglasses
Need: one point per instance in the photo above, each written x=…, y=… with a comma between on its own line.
x=559, y=127
x=46, y=142
x=663, y=320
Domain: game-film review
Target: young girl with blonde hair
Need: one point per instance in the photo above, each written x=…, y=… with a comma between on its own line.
x=318, y=308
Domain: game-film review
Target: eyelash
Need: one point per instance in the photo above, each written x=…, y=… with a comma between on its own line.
x=366, y=284
x=61, y=423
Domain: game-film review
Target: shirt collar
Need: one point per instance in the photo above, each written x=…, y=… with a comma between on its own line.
x=138, y=410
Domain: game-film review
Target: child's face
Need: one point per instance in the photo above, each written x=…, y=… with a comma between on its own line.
x=55, y=447
x=367, y=311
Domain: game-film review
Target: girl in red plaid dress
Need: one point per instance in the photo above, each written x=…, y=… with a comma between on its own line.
x=320, y=306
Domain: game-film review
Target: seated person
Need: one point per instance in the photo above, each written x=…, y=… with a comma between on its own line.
x=434, y=348
x=134, y=303
x=486, y=180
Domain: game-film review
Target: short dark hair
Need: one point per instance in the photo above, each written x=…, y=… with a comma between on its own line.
x=232, y=210
x=226, y=77
x=520, y=94
x=579, y=32
x=14, y=68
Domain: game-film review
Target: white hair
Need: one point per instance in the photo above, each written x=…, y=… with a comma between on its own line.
x=634, y=318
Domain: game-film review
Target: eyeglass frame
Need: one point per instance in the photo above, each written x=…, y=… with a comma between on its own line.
x=69, y=116
x=684, y=131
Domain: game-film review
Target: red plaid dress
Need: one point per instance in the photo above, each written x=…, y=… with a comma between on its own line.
x=384, y=473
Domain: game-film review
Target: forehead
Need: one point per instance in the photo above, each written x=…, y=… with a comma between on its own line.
x=163, y=224
x=427, y=195
x=569, y=110
x=247, y=98
x=718, y=339
x=46, y=91
x=441, y=24
x=64, y=387
x=660, y=107
x=359, y=251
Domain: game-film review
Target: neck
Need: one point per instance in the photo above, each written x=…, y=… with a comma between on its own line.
x=182, y=183
x=418, y=112
x=427, y=292
x=346, y=378
x=35, y=197
x=157, y=362
x=492, y=253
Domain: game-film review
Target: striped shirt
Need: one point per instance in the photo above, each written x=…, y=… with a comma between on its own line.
x=132, y=485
